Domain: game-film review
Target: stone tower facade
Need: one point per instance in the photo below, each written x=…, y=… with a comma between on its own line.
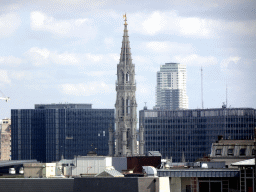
x=126, y=106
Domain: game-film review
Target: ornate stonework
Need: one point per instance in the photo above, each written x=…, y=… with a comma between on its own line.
x=126, y=106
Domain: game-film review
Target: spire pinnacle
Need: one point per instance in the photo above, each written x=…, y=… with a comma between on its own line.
x=125, y=19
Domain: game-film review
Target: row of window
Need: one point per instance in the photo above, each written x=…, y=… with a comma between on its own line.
x=230, y=152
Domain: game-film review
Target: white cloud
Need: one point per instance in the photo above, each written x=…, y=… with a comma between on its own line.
x=105, y=61
x=143, y=64
x=154, y=23
x=65, y=58
x=101, y=73
x=10, y=60
x=225, y=62
x=87, y=89
x=196, y=60
x=82, y=27
x=40, y=57
x=163, y=22
x=168, y=47
x=94, y=57
x=19, y=75
x=109, y=41
x=4, y=77
x=9, y=23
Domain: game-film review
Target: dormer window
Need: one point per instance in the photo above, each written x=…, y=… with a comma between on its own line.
x=230, y=152
x=218, y=151
x=242, y=152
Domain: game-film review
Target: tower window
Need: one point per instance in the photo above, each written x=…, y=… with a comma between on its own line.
x=122, y=107
x=127, y=77
x=122, y=76
x=128, y=106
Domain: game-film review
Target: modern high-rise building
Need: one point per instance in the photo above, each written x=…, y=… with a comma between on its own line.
x=189, y=134
x=126, y=106
x=51, y=132
x=5, y=139
x=171, y=87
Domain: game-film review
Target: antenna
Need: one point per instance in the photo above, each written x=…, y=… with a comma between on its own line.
x=202, y=96
x=226, y=94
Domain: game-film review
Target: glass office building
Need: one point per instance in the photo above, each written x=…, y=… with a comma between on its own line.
x=48, y=134
x=190, y=133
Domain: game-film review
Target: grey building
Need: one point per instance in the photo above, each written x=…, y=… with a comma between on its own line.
x=232, y=151
x=126, y=106
x=50, y=132
x=189, y=134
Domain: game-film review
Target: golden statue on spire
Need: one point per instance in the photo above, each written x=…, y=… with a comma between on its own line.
x=125, y=18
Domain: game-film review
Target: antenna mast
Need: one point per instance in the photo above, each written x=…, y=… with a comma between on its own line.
x=226, y=95
x=202, y=96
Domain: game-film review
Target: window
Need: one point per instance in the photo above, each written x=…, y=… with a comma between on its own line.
x=242, y=151
x=253, y=152
x=127, y=77
x=218, y=151
x=128, y=106
x=231, y=152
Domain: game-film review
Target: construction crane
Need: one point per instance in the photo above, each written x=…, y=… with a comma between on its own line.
x=4, y=97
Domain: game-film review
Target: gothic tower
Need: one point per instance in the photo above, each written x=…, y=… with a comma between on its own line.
x=126, y=106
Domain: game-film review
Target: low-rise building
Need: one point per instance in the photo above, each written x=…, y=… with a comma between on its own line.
x=232, y=151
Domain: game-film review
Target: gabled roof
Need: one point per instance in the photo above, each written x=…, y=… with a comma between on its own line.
x=249, y=162
x=110, y=173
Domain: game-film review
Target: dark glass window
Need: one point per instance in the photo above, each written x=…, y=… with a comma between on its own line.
x=253, y=152
x=218, y=151
x=230, y=151
x=242, y=151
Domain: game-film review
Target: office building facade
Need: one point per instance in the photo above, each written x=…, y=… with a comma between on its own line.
x=188, y=134
x=62, y=131
x=171, y=91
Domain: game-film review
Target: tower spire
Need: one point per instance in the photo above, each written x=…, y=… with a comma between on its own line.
x=126, y=106
x=125, y=19
x=125, y=56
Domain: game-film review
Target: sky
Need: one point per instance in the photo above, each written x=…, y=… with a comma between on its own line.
x=56, y=51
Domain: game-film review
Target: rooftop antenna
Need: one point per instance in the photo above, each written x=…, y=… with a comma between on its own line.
x=226, y=94
x=145, y=107
x=202, y=87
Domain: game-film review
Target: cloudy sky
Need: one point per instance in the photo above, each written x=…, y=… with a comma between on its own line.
x=57, y=51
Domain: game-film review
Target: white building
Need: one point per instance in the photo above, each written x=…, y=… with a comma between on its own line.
x=171, y=87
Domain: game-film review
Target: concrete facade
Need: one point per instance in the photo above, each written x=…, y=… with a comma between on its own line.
x=232, y=151
x=5, y=140
x=92, y=165
x=40, y=170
